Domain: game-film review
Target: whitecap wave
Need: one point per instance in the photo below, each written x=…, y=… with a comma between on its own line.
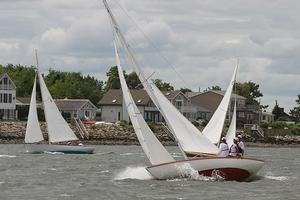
x=54, y=153
x=277, y=178
x=139, y=173
x=129, y=154
x=7, y=156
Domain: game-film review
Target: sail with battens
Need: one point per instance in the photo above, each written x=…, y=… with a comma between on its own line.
x=213, y=130
x=188, y=137
x=153, y=149
x=58, y=129
x=33, y=131
x=231, y=133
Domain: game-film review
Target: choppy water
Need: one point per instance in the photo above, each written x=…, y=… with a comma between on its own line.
x=117, y=172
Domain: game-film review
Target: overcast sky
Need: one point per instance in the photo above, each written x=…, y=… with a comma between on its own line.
x=191, y=44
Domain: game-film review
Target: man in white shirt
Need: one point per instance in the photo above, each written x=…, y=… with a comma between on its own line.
x=241, y=145
x=223, y=148
x=234, y=150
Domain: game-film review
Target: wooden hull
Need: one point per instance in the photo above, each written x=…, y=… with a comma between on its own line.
x=237, y=169
x=68, y=149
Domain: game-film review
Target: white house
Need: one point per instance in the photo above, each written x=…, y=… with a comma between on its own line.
x=77, y=108
x=7, y=97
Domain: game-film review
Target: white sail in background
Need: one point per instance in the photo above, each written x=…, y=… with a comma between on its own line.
x=33, y=131
x=154, y=150
x=231, y=133
x=189, y=138
x=58, y=129
x=213, y=130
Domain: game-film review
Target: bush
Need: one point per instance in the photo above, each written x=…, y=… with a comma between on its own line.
x=278, y=125
x=295, y=130
x=264, y=125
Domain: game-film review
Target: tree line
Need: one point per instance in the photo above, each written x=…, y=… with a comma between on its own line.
x=76, y=85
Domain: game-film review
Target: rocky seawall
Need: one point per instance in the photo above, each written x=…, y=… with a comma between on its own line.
x=118, y=134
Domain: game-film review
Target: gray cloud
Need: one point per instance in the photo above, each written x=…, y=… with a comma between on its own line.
x=200, y=39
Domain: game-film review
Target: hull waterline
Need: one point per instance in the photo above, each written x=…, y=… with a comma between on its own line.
x=238, y=169
x=67, y=149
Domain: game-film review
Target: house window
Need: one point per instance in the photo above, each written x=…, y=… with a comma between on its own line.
x=178, y=104
x=241, y=114
x=4, y=98
x=87, y=113
x=9, y=98
x=119, y=116
x=1, y=98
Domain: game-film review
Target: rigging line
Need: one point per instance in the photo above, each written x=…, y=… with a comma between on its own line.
x=152, y=44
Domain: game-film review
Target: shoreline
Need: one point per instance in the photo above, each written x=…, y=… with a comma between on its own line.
x=165, y=143
x=116, y=134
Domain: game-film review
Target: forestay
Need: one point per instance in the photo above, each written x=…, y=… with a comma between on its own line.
x=58, y=129
x=189, y=138
x=154, y=150
x=213, y=130
x=33, y=131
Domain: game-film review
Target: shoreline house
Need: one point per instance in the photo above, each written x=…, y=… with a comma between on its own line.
x=246, y=114
x=113, y=108
x=82, y=109
x=7, y=98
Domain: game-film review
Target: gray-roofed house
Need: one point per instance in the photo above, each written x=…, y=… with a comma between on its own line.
x=112, y=108
x=246, y=114
x=77, y=108
x=7, y=97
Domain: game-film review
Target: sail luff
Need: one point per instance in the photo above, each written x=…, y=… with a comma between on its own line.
x=213, y=130
x=189, y=138
x=33, y=131
x=154, y=150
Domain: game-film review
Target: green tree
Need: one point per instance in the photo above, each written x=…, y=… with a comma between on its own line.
x=185, y=90
x=250, y=91
x=113, y=81
x=295, y=112
x=22, y=76
x=163, y=86
x=133, y=81
x=216, y=87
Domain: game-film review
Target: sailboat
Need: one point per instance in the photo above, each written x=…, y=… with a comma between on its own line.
x=58, y=129
x=163, y=166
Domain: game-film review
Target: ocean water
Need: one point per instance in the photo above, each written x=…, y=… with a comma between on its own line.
x=117, y=172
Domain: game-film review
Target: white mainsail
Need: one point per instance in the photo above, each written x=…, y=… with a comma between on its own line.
x=231, y=133
x=213, y=130
x=189, y=138
x=58, y=129
x=33, y=131
x=154, y=150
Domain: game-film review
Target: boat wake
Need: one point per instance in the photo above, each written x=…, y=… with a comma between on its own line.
x=277, y=178
x=139, y=173
x=189, y=173
x=7, y=156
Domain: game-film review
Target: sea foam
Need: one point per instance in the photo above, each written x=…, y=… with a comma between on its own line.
x=139, y=173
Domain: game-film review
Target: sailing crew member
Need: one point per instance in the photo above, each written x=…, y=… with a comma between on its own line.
x=223, y=148
x=241, y=145
x=234, y=150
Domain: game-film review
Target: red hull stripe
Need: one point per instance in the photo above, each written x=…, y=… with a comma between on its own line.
x=228, y=174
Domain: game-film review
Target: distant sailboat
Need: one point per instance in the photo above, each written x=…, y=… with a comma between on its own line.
x=58, y=129
x=163, y=166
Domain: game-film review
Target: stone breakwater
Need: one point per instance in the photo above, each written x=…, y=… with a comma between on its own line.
x=117, y=134
x=14, y=132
